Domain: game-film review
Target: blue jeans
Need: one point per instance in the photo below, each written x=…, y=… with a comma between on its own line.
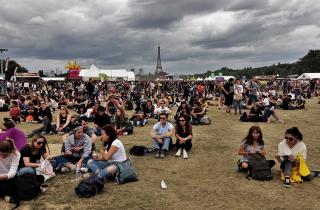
x=165, y=145
x=100, y=167
x=237, y=105
x=26, y=170
x=60, y=161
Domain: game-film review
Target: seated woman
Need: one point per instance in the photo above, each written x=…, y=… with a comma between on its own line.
x=31, y=155
x=113, y=152
x=197, y=113
x=183, y=134
x=9, y=131
x=148, y=108
x=63, y=121
x=252, y=144
x=139, y=117
x=300, y=102
x=184, y=110
x=9, y=161
x=288, y=149
x=15, y=112
x=122, y=125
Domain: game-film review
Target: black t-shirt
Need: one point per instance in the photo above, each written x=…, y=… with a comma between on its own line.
x=101, y=120
x=27, y=152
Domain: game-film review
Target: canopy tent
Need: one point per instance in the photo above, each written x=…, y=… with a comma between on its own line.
x=309, y=76
x=209, y=79
x=112, y=74
x=53, y=78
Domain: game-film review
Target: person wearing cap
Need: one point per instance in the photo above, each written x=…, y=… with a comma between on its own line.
x=77, y=152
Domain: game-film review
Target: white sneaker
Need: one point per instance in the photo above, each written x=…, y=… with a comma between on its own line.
x=178, y=154
x=184, y=154
x=125, y=133
x=43, y=190
x=84, y=170
x=280, y=121
x=7, y=198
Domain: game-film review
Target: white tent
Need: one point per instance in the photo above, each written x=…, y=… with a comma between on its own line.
x=53, y=78
x=309, y=76
x=199, y=79
x=209, y=78
x=113, y=74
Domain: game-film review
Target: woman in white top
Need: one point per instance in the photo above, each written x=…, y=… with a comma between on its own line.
x=9, y=161
x=287, y=152
x=113, y=152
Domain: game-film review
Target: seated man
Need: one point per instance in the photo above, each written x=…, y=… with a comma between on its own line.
x=162, y=109
x=86, y=130
x=77, y=151
x=161, y=136
x=197, y=113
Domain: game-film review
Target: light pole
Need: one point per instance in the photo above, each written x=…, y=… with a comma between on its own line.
x=2, y=51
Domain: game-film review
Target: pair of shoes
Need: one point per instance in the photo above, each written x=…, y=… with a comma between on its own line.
x=156, y=153
x=178, y=154
x=184, y=154
x=287, y=182
x=163, y=153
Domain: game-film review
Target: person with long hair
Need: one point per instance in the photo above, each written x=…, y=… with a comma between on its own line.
x=122, y=124
x=184, y=110
x=288, y=149
x=183, y=134
x=113, y=152
x=31, y=155
x=63, y=121
x=9, y=161
x=252, y=144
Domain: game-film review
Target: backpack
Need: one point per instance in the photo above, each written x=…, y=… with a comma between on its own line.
x=260, y=168
x=89, y=187
x=27, y=187
x=138, y=150
x=126, y=172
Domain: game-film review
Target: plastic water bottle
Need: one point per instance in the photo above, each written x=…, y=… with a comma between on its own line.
x=77, y=173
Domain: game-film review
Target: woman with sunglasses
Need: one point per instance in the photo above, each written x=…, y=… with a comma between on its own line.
x=31, y=155
x=184, y=136
x=288, y=149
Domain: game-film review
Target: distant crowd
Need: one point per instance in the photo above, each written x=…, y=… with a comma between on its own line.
x=120, y=108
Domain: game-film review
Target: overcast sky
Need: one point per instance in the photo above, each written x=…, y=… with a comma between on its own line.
x=194, y=35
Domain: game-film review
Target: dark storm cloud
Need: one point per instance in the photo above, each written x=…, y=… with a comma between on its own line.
x=192, y=33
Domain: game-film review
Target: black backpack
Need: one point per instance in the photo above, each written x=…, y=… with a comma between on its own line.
x=89, y=187
x=260, y=168
x=138, y=150
x=27, y=187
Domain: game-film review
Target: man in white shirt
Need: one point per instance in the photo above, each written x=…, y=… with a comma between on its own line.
x=161, y=136
x=162, y=109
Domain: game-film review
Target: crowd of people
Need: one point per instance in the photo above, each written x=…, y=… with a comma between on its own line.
x=176, y=107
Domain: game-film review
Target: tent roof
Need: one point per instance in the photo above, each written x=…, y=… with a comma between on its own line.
x=309, y=76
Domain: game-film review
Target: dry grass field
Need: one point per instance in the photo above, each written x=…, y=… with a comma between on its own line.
x=207, y=180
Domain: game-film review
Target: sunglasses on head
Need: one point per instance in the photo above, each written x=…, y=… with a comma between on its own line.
x=40, y=142
x=289, y=138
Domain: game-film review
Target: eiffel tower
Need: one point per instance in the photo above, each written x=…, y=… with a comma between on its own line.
x=159, y=69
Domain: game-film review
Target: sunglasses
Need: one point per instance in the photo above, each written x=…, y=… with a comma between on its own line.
x=181, y=120
x=162, y=118
x=289, y=138
x=40, y=142
x=162, y=103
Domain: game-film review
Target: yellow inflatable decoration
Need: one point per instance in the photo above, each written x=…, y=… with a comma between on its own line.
x=72, y=65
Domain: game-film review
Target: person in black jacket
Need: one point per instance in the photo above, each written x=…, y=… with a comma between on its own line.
x=43, y=115
x=101, y=119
